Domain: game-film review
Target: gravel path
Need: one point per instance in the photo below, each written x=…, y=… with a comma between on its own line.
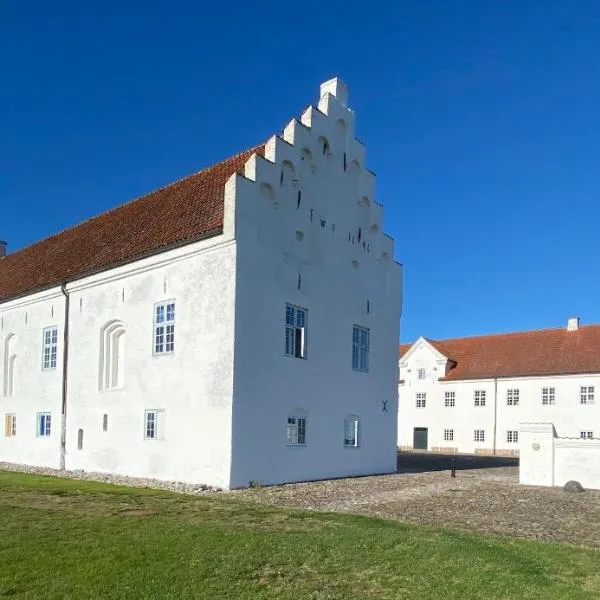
x=144, y=482
x=482, y=497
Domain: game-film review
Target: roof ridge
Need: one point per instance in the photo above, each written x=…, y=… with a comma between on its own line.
x=136, y=199
x=499, y=334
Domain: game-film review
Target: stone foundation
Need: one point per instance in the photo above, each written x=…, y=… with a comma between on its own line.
x=499, y=452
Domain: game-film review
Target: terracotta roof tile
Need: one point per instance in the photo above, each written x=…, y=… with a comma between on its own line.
x=527, y=353
x=181, y=212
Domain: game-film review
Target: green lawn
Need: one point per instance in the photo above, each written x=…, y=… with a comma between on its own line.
x=61, y=538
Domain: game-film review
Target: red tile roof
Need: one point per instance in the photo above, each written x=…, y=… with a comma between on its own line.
x=184, y=211
x=522, y=354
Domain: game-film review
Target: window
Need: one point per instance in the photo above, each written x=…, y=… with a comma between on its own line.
x=448, y=435
x=479, y=397
x=295, y=331
x=154, y=424
x=512, y=436
x=351, y=427
x=586, y=394
x=548, y=396
x=112, y=355
x=296, y=431
x=512, y=397
x=9, y=365
x=80, y=439
x=421, y=400
x=164, y=328
x=449, y=398
x=586, y=435
x=10, y=425
x=44, y=424
x=420, y=373
x=360, y=349
x=105, y=423
x=479, y=435
x=50, y=348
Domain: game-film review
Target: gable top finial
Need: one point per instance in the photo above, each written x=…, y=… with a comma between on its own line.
x=336, y=87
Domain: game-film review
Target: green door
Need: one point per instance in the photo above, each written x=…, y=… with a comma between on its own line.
x=420, y=438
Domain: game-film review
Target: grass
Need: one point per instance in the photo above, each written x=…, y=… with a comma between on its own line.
x=61, y=538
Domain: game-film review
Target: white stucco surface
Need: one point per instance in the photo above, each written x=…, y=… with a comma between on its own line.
x=548, y=460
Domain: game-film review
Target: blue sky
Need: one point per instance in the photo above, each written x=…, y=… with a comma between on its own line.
x=481, y=120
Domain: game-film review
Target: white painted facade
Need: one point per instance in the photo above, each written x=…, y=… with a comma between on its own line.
x=301, y=227
x=549, y=460
x=497, y=418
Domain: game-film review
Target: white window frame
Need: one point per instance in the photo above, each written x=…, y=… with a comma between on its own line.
x=512, y=397
x=586, y=435
x=449, y=399
x=164, y=320
x=352, y=431
x=361, y=342
x=296, y=324
x=10, y=425
x=49, y=348
x=46, y=430
x=155, y=418
x=421, y=400
x=421, y=373
x=586, y=394
x=479, y=397
x=296, y=430
x=512, y=436
x=548, y=396
x=448, y=435
x=479, y=435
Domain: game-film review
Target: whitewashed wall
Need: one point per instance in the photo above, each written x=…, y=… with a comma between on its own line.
x=548, y=460
x=35, y=390
x=279, y=243
x=569, y=416
x=193, y=385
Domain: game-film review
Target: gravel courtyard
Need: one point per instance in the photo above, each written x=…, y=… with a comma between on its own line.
x=485, y=496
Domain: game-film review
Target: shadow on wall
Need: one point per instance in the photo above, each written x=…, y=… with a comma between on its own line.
x=421, y=462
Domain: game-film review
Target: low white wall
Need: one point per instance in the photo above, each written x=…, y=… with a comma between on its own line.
x=548, y=460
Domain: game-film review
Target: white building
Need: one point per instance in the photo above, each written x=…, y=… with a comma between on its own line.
x=239, y=324
x=470, y=394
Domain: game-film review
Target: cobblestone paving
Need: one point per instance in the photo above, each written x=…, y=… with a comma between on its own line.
x=485, y=496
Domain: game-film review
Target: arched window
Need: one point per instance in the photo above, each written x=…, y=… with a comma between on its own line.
x=352, y=431
x=112, y=355
x=324, y=146
x=288, y=174
x=10, y=359
x=296, y=427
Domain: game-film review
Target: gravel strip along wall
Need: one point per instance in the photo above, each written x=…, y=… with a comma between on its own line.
x=142, y=482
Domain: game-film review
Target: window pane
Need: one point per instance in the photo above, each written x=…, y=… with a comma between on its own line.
x=289, y=341
x=160, y=314
x=170, y=312
x=170, y=340
x=292, y=432
x=301, y=431
x=290, y=315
